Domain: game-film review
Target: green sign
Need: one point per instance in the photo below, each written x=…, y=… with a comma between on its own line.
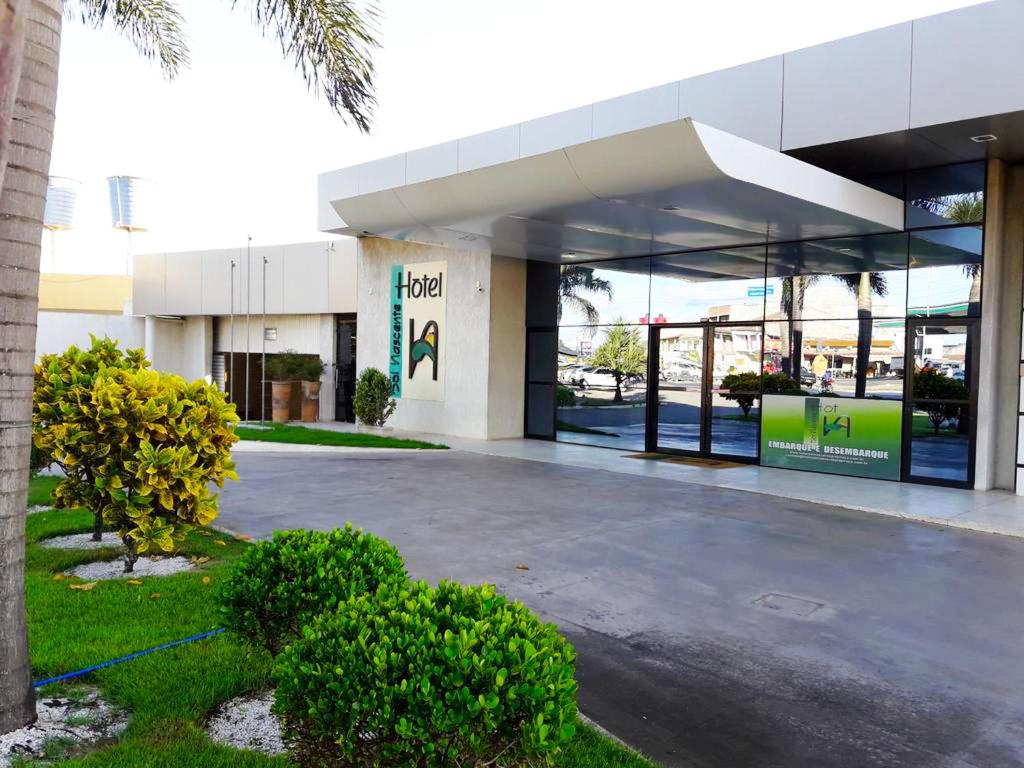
x=832, y=434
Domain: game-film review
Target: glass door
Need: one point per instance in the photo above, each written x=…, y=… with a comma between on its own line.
x=706, y=389
x=940, y=401
x=677, y=388
x=734, y=398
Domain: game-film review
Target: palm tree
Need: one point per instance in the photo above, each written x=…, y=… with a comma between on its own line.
x=575, y=280
x=330, y=41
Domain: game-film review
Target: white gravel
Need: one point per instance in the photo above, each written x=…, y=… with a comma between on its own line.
x=81, y=723
x=38, y=508
x=81, y=541
x=144, y=566
x=247, y=723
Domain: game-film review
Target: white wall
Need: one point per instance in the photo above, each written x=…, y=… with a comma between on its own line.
x=483, y=355
x=56, y=331
x=165, y=344
x=302, y=278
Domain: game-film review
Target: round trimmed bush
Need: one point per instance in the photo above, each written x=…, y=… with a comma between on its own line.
x=427, y=677
x=280, y=585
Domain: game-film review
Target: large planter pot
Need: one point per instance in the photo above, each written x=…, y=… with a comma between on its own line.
x=280, y=400
x=310, y=400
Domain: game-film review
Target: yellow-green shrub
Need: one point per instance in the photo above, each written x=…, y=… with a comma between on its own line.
x=63, y=419
x=165, y=441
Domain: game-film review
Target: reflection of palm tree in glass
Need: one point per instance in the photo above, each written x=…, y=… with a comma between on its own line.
x=576, y=280
x=863, y=285
x=969, y=209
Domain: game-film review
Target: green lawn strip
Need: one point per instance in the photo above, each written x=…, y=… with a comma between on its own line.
x=169, y=693
x=39, y=489
x=296, y=435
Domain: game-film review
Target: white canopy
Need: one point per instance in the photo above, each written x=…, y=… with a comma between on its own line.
x=675, y=186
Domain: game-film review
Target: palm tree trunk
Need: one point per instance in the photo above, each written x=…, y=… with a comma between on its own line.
x=863, y=333
x=798, y=328
x=22, y=201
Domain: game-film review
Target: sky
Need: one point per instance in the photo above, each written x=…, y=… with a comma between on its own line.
x=236, y=141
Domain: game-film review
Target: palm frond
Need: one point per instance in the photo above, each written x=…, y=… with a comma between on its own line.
x=155, y=27
x=331, y=42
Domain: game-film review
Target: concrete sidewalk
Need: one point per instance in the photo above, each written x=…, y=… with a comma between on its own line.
x=998, y=512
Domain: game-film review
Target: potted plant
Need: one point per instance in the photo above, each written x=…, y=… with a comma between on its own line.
x=312, y=370
x=373, y=402
x=283, y=369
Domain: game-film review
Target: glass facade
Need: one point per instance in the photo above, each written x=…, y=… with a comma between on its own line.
x=690, y=352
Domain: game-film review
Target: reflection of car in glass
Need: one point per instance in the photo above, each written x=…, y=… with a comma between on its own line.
x=682, y=371
x=569, y=373
x=806, y=377
x=958, y=374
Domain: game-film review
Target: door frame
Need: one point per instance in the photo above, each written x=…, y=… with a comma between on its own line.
x=706, y=385
x=973, y=325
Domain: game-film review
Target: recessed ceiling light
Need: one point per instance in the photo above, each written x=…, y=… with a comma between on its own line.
x=845, y=250
x=569, y=255
x=984, y=138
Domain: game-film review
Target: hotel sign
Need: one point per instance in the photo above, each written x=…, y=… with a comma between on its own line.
x=417, y=330
x=832, y=434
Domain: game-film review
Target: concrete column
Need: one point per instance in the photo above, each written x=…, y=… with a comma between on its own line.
x=507, y=348
x=1000, y=336
x=197, y=352
x=328, y=346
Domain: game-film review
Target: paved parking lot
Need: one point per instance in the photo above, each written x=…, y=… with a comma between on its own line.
x=715, y=627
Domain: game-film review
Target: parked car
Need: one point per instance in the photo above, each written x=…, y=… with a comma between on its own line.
x=807, y=378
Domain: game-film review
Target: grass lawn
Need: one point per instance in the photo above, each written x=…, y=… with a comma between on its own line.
x=564, y=426
x=39, y=489
x=292, y=433
x=168, y=693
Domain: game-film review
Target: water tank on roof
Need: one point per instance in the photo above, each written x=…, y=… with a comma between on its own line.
x=61, y=196
x=131, y=203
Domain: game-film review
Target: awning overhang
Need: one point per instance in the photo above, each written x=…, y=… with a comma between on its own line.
x=667, y=188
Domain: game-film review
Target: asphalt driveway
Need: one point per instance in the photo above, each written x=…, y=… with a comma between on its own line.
x=715, y=627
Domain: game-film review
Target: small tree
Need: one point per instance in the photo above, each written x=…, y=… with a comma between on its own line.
x=64, y=421
x=166, y=442
x=373, y=401
x=780, y=384
x=744, y=388
x=936, y=389
x=623, y=352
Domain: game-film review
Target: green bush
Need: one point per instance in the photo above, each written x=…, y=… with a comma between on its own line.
x=288, y=365
x=373, y=402
x=932, y=384
x=744, y=388
x=427, y=678
x=64, y=425
x=312, y=368
x=780, y=384
x=280, y=585
x=565, y=397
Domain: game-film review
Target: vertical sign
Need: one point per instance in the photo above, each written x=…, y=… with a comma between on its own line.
x=396, y=335
x=417, y=322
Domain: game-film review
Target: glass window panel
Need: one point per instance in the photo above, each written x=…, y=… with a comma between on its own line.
x=540, y=410
x=841, y=278
x=952, y=194
x=541, y=356
x=603, y=292
x=945, y=273
x=602, y=398
x=708, y=285
x=829, y=356
x=943, y=452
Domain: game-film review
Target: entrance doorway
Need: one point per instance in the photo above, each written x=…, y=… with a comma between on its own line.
x=704, y=384
x=940, y=401
x=345, y=368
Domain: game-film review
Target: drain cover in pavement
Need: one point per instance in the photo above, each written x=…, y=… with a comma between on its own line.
x=794, y=606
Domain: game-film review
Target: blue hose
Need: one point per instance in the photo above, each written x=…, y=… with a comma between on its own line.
x=129, y=657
